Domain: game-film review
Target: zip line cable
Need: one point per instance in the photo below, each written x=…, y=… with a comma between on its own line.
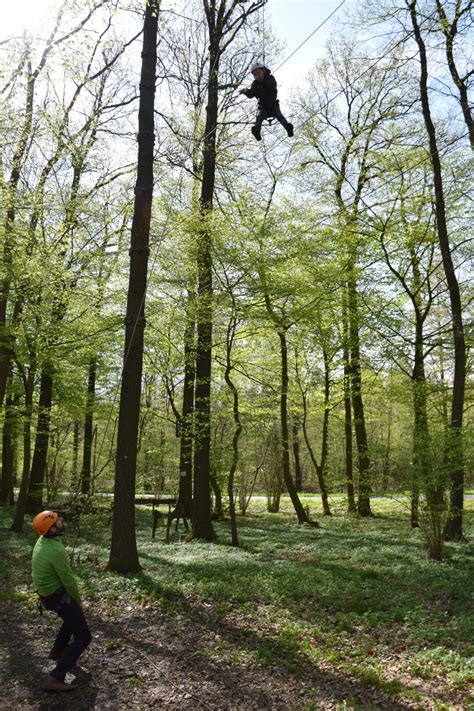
x=151, y=272
x=309, y=36
x=341, y=91
x=313, y=32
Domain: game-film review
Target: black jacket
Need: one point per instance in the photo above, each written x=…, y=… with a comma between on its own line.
x=265, y=91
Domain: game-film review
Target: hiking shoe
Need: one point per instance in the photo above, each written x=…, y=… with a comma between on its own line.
x=289, y=130
x=53, y=684
x=256, y=132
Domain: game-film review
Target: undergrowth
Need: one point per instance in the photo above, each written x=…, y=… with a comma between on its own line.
x=358, y=594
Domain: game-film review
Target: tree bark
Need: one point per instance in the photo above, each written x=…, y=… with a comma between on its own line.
x=423, y=466
x=298, y=506
x=89, y=428
x=123, y=551
x=317, y=468
x=201, y=521
x=363, y=503
x=325, y=438
x=349, y=464
x=237, y=429
x=349, y=468
x=38, y=467
x=7, y=332
x=186, y=422
x=454, y=527
x=222, y=28
x=6, y=335
x=217, y=512
x=421, y=438
x=28, y=382
x=75, y=454
x=296, y=456
x=8, y=450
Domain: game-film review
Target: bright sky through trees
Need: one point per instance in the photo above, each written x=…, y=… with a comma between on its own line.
x=292, y=21
x=28, y=15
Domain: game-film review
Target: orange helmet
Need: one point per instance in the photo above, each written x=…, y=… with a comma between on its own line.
x=43, y=521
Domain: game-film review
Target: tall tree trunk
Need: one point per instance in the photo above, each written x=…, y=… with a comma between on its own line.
x=300, y=511
x=223, y=26
x=75, y=454
x=201, y=520
x=325, y=438
x=237, y=428
x=387, y=452
x=123, y=551
x=38, y=467
x=454, y=527
x=233, y=468
x=423, y=469
x=363, y=503
x=187, y=412
x=296, y=456
x=317, y=468
x=8, y=449
x=349, y=468
x=421, y=439
x=89, y=428
x=6, y=336
x=217, y=512
x=28, y=381
x=349, y=465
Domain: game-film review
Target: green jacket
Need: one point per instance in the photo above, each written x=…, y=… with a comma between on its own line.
x=51, y=569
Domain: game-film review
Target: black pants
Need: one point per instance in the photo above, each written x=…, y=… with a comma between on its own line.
x=74, y=625
x=274, y=112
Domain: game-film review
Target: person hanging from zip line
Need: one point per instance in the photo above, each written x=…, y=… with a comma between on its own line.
x=57, y=588
x=264, y=88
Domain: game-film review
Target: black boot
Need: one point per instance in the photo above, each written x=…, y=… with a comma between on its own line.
x=53, y=684
x=56, y=653
x=289, y=130
x=256, y=132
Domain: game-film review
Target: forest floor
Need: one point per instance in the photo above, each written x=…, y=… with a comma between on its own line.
x=348, y=616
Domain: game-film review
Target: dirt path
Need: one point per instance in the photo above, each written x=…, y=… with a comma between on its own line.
x=147, y=659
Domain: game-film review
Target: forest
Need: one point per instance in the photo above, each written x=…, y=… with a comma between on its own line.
x=241, y=369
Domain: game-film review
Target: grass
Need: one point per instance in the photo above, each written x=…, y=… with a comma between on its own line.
x=357, y=594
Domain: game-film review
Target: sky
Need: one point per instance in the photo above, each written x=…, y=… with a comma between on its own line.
x=292, y=22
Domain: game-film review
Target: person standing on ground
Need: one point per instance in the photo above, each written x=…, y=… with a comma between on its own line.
x=57, y=588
